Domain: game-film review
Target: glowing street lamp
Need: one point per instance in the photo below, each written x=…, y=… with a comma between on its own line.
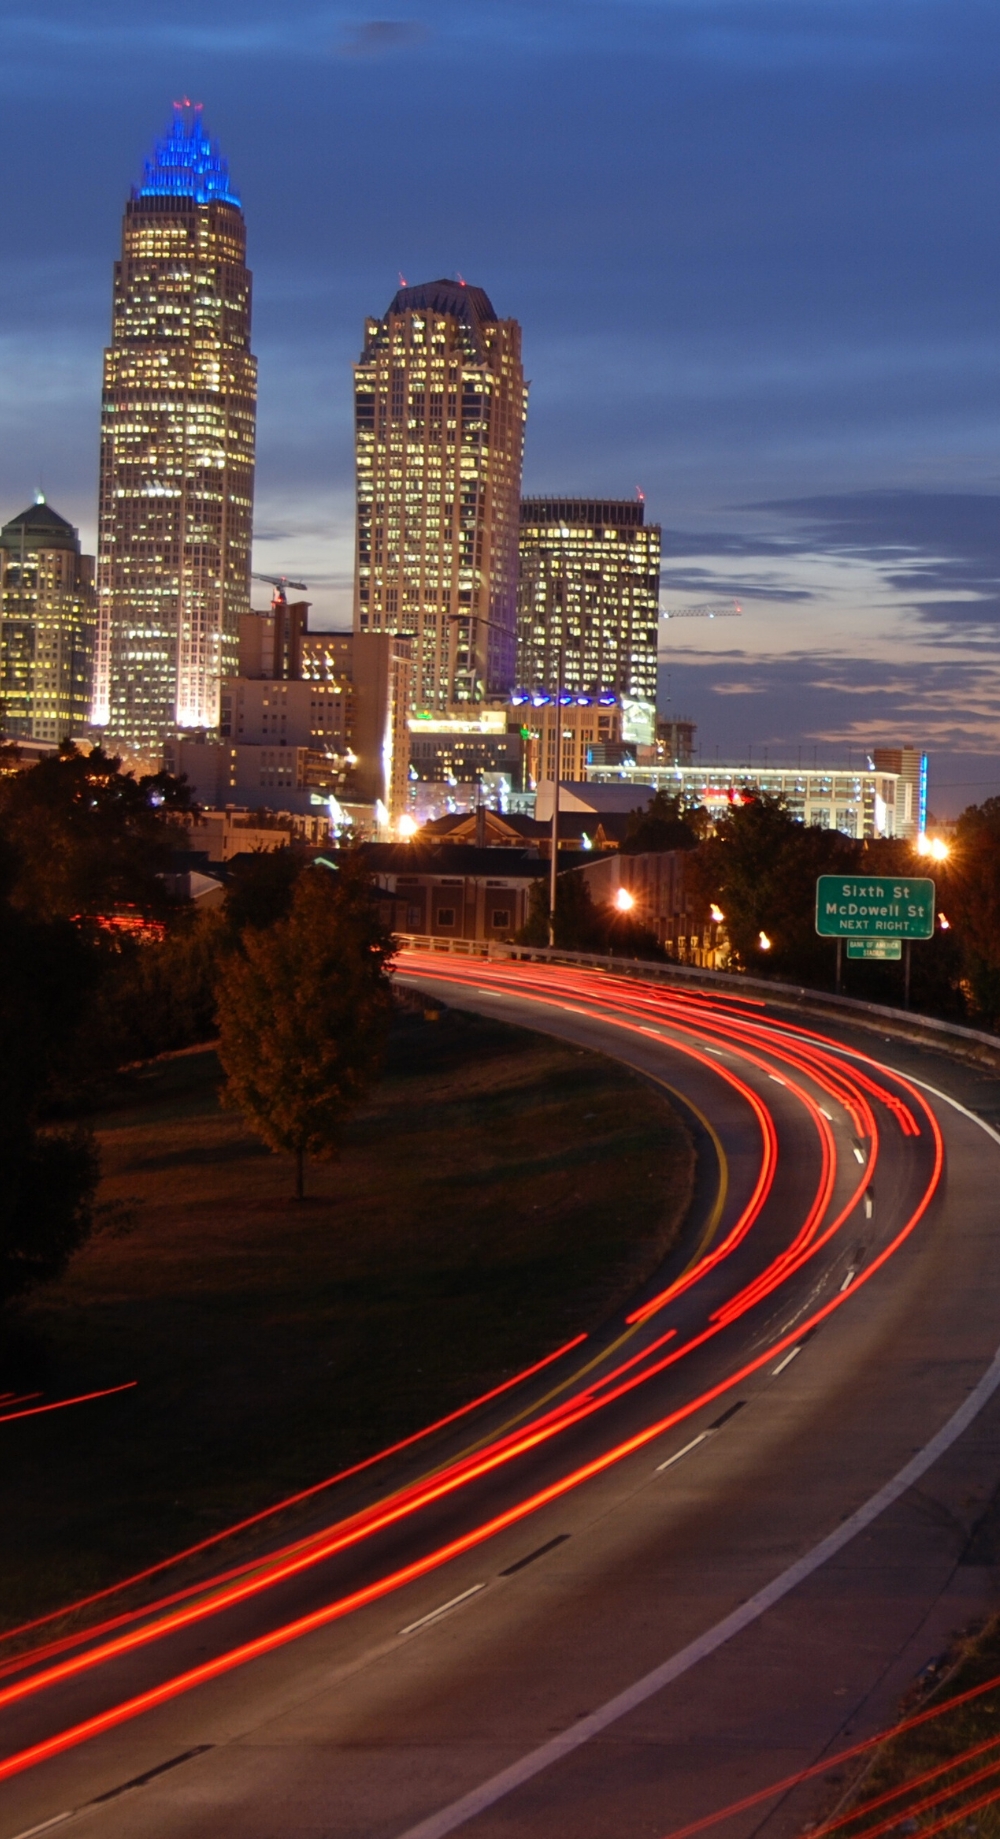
x=716, y=914
x=407, y=827
x=763, y=941
x=933, y=846
x=624, y=901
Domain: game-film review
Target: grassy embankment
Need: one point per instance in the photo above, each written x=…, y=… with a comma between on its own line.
x=498, y=1194
x=931, y=1747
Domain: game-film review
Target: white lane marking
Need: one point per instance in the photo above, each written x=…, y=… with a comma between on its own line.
x=848, y=1280
x=568, y=1007
x=859, y=1153
x=777, y=1081
x=481, y=992
x=489, y=1792
x=681, y=1452
x=656, y=1033
x=827, y=1115
x=789, y=1357
x=56, y=1820
x=869, y=1204
x=442, y=1610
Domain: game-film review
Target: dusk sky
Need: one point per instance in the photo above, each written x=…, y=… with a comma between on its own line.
x=753, y=248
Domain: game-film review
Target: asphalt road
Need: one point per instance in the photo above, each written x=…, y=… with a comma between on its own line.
x=624, y=1651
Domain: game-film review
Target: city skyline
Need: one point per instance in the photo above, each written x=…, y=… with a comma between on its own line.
x=788, y=340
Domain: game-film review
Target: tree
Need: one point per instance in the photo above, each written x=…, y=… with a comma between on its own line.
x=260, y=888
x=664, y=824
x=578, y=922
x=971, y=886
x=87, y=838
x=760, y=868
x=46, y=1200
x=303, y=1014
x=581, y=925
x=49, y=1175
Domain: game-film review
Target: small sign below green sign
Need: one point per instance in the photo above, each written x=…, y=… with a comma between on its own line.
x=874, y=948
x=852, y=906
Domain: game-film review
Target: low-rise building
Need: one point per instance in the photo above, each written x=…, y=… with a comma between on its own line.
x=664, y=903
x=858, y=803
x=453, y=891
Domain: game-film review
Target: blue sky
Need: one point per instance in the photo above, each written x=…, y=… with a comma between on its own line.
x=753, y=247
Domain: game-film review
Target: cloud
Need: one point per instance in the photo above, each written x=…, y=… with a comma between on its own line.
x=377, y=37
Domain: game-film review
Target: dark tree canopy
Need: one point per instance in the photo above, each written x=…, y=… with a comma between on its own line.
x=261, y=885
x=663, y=824
x=303, y=1014
x=760, y=869
x=86, y=838
x=582, y=924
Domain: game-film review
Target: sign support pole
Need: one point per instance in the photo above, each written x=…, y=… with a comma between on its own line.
x=837, y=974
x=906, y=973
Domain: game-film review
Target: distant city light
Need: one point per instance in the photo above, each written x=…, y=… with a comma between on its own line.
x=407, y=827
x=763, y=941
x=716, y=913
x=624, y=901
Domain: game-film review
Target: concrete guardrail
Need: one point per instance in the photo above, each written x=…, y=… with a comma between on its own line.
x=950, y=1037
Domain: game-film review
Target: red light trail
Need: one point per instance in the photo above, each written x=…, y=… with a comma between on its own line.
x=806, y=1059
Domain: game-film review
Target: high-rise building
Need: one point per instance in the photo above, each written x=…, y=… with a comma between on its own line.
x=177, y=450
x=910, y=765
x=588, y=598
x=440, y=406
x=47, y=617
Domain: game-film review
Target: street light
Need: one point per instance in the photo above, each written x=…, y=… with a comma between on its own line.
x=933, y=846
x=624, y=901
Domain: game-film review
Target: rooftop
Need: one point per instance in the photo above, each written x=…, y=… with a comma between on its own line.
x=470, y=304
x=186, y=164
x=39, y=527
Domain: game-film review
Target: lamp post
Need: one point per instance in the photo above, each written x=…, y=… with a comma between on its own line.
x=556, y=775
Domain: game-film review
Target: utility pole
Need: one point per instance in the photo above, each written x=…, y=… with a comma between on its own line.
x=556, y=774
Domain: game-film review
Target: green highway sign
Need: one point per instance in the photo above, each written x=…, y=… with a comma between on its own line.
x=874, y=948
x=875, y=907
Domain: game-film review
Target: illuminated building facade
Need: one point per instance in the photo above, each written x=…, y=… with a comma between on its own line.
x=177, y=450
x=47, y=619
x=440, y=406
x=859, y=804
x=588, y=600
x=910, y=766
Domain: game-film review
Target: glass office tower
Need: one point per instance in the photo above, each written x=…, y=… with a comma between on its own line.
x=177, y=450
x=440, y=405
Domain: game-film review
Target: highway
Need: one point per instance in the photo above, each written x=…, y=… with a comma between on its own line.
x=687, y=1558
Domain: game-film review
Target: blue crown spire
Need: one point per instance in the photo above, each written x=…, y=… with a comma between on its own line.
x=186, y=164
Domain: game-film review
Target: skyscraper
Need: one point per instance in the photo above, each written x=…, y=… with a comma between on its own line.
x=588, y=594
x=440, y=405
x=46, y=627
x=177, y=450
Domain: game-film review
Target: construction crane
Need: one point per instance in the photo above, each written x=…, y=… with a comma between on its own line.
x=708, y=609
x=279, y=583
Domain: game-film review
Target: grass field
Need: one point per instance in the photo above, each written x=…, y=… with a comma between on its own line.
x=925, y=1778
x=499, y=1193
